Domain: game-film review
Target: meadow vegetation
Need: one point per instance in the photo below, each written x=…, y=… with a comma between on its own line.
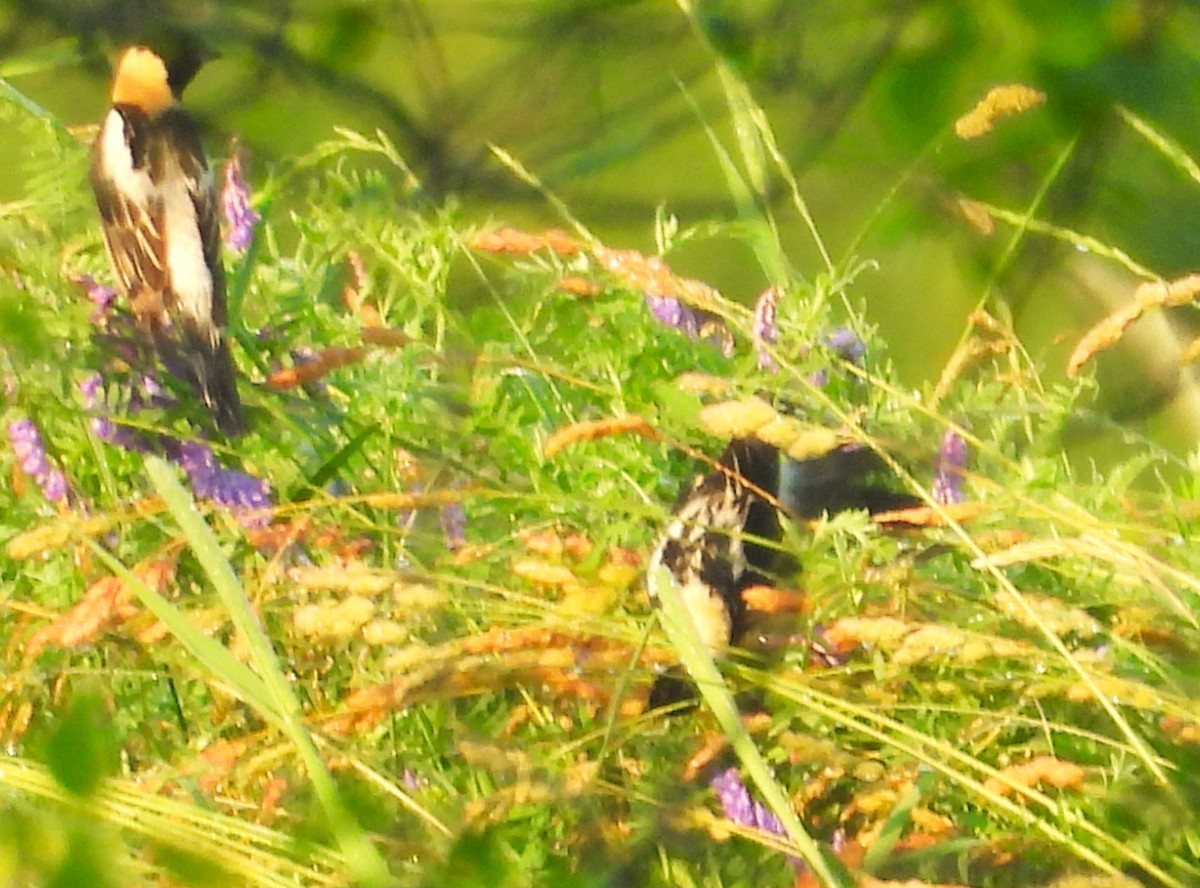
x=393, y=635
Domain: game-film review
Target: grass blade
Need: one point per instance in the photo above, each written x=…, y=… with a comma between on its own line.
x=699, y=663
x=282, y=706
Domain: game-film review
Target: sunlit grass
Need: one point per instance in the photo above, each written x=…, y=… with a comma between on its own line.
x=356, y=691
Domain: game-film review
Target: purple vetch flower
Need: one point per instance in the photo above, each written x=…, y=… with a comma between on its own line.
x=226, y=487
x=55, y=486
x=670, y=311
x=743, y=810
x=412, y=780
x=845, y=343
x=103, y=428
x=765, y=332
x=100, y=296
x=691, y=322
x=31, y=453
x=120, y=338
x=240, y=217
x=209, y=480
x=740, y=807
x=153, y=389
x=454, y=525
x=147, y=393
x=92, y=390
x=948, y=479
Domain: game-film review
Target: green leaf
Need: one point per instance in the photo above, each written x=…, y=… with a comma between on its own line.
x=894, y=826
x=82, y=751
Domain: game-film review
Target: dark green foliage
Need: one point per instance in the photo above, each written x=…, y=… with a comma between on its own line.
x=82, y=750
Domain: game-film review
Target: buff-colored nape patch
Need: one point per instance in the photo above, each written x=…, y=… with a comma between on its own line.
x=141, y=81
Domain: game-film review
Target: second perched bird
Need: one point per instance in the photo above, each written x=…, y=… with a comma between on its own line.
x=724, y=535
x=158, y=204
x=720, y=539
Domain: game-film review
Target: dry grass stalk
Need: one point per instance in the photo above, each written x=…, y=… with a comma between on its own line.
x=590, y=430
x=513, y=240
x=1107, y=333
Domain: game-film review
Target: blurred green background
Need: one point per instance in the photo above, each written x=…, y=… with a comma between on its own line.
x=607, y=100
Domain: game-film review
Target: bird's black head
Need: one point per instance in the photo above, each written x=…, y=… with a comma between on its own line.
x=183, y=53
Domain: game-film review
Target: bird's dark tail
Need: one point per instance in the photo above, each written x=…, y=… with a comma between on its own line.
x=850, y=477
x=211, y=372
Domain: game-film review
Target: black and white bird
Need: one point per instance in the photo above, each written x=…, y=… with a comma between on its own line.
x=724, y=534
x=157, y=201
x=721, y=537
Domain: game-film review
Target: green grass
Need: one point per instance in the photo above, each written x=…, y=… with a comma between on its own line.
x=366, y=705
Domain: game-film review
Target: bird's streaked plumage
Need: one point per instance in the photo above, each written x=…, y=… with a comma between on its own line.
x=723, y=536
x=157, y=201
x=718, y=541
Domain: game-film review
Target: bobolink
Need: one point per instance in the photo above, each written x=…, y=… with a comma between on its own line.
x=157, y=201
x=719, y=540
x=725, y=532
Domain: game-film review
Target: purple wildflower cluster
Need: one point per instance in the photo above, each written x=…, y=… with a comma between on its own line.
x=454, y=525
x=27, y=445
x=742, y=809
x=92, y=389
x=652, y=277
x=100, y=296
x=845, y=343
x=764, y=329
x=117, y=333
x=670, y=311
x=691, y=322
x=209, y=480
x=948, y=479
x=240, y=217
x=413, y=781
